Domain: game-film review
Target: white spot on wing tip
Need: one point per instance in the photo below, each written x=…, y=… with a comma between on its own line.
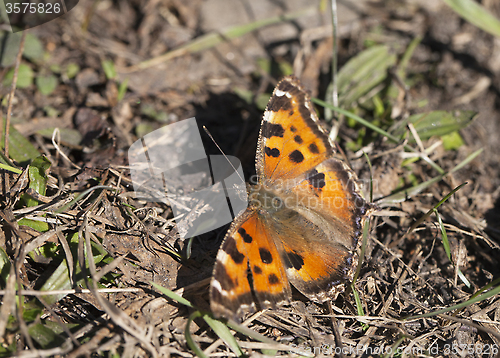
x=222, y=256
x=216, y=285
x=280, y=93
x=267, y=115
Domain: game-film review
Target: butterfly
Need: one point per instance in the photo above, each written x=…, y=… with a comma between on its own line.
x=304, y=219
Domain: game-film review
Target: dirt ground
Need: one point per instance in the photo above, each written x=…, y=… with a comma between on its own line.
x=107, y=93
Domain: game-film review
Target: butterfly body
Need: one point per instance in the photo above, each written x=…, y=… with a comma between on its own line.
x=304, y=218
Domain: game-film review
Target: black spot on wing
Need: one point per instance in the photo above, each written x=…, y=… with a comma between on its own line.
x=313, y=148
x=296, y=156
x=231, y=249
x=293, y=129
x=273, y=279
x=272, y=130
x=247, y=238
x=298, y=139
x=272, y=152
x=265, y=255
x=294, y=260
x=316, y=179
x=257, y=270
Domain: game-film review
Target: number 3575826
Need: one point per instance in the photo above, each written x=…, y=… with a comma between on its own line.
x=39, y=8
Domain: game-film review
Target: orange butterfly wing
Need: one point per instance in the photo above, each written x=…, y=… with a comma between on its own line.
x=304, y=221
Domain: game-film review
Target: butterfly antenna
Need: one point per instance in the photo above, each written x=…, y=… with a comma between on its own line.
x=224, y=154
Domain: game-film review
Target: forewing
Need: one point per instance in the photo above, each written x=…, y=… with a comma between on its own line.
x=291, y=140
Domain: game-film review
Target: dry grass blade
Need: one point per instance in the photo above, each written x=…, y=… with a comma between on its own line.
x=126, y=322
x=8, y=299
x=11, y=96
x=212, y=39
x=220, y=328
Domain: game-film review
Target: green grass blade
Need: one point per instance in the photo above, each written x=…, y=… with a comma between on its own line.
x=375, y=129
x=405, y=59
x=189, y=339
x=217, y=326
x=122, y=89
x=407, y=193
x=467, y=160
x=172, y=295
x=10, y=168
x=476, y=15
x=362, y=73
x=20, y=149
x=109, y=69
x=254, y=335
x=359, y=304
x=224, y=333
x=37, y=173
x=394, y=348
x=469, y=302
x=363, y=249
x=446, y=245
x=402, y=195
x=447, y=196
x=436, y=123
x=60, y=280
x=428, y=213
x=248, y=332
x=487, y=287
x=357, y=119
x=4, y=267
